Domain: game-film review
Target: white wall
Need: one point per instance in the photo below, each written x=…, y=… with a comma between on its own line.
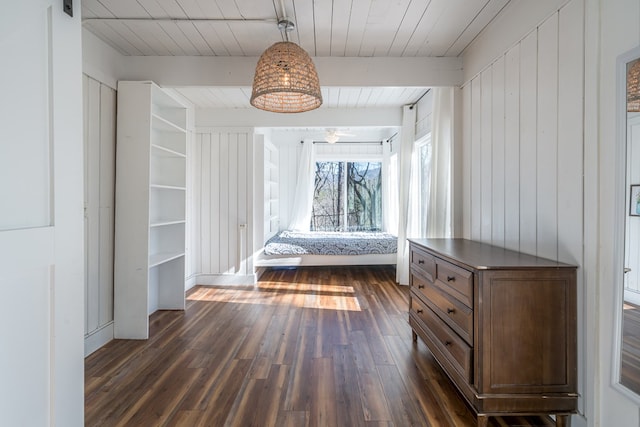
x=222, y=205
x=523, y=145
x=100, y=61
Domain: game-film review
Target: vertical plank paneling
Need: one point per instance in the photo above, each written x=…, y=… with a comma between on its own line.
x=486, y=161
x=512, y=150
x=99, y=176
x=243, y=199
x=528, y=152
x=570, y=125
x=475, y=158
x=498, y=153
x=107, y=194
x=213, y=185
x=226, y=194
x=92, y=206
x=525, y=192
x=287, y=179
x=206, y=205
x=223, y=220
x=197, y=160
x=466, y=161
x=232, y=203
x=547, y=140
x=85, y=139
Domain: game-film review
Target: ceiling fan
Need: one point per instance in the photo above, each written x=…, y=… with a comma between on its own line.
x=333, y=135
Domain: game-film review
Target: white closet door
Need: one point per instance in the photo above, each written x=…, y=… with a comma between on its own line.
x=41, y=321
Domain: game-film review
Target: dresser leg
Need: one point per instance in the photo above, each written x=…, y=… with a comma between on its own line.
x=563, y=421
x=483, y=420
x=414, y=336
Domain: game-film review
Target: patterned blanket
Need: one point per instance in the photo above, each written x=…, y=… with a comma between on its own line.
x=331, y=243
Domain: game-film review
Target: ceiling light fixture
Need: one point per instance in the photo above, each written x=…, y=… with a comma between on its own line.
x=286, y=80
x=332, y=137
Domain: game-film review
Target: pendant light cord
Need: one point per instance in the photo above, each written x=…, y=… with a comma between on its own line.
x=285, y=29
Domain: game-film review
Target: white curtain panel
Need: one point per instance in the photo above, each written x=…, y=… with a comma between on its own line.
x=439, y=209
x=405, y=215
x=440, y=200
x=303, y=198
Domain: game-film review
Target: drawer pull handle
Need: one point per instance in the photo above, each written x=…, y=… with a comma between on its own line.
x=447, y=343
x=451, y=278
x=420, y=286
x=420, y=261
x=451, y=310
x=419, y=311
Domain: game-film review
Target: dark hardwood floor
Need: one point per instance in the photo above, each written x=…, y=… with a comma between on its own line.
x=307, y=347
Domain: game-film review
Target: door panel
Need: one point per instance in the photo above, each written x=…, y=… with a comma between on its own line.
x=41, y=269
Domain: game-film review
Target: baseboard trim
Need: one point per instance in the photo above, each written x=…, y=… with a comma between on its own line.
x=190, y=282
x=98, y=338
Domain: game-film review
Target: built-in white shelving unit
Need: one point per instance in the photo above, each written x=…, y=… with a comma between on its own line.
x=150, y=207
x=271, y=190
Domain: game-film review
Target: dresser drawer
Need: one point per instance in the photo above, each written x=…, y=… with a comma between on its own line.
x=422, y=263
x=457, y=315
x=448, y=342
x=456, y=281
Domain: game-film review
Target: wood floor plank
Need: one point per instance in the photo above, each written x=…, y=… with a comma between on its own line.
x=320, y=346
x=298, y=395
x=347, y=390
x=229, y=386
x=289, y=339
x=419, y=386
x=374, y=403
x=292, y=419
x=404, y=411
x=323, y=411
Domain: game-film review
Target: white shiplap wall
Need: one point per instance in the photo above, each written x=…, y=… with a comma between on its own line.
x=522, y=135
x=523, y=148
x=99, y=164
x=222, y=203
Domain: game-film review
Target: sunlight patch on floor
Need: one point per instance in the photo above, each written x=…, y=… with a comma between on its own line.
x=303, y=295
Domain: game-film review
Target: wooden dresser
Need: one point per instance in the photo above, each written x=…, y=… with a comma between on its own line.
x=501, y=324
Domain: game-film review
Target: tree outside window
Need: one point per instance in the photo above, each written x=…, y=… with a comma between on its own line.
x=347, y=197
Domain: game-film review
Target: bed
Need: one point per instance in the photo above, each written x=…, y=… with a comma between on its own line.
x=291, y=248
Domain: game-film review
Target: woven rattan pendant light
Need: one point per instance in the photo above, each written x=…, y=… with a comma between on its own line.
x=286, y=80
x=633, y=87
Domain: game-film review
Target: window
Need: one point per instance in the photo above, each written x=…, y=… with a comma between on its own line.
x=423, y=186
x=347, y=196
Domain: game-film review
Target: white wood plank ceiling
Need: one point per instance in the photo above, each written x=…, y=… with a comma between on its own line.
x=324, y=28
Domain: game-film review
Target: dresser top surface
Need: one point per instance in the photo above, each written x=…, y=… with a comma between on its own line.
x=482, y=256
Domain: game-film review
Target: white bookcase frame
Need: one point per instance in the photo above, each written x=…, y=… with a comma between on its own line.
x=150, y=207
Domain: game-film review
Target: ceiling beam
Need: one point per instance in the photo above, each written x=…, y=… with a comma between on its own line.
x=185, y=71
x=322, y=117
